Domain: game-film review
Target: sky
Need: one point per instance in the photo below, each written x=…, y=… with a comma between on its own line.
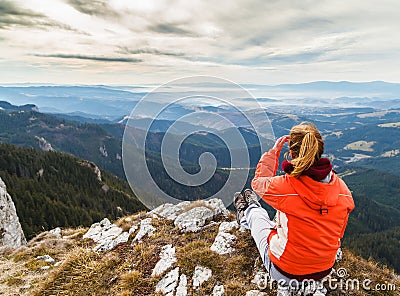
x=134, y=42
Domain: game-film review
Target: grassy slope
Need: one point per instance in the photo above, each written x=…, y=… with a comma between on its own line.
x=126, y=270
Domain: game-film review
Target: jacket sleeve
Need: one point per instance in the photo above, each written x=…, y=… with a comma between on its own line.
x=265, y=175
x=350, y=208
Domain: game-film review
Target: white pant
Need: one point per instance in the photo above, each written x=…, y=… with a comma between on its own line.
x=257, y=220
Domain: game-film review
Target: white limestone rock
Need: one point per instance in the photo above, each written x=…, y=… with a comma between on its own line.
x=11, y=234
x=132, y=229
x=103, y=151
x=172, y=212
x=224, y=241
x=201, y=275
x=168, y=283
x=194, y=219
x=167, y=259
x=110, y=244
x=218, y=206
x=46, y=258
x=218, y=290
x=228, y=226
x=44, y=145
x=182, y=287
x=106, y=235
x=169, y=211
x=145, y=229
x=56, y=232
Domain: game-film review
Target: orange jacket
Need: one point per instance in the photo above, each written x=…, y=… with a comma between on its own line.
x=311, y=217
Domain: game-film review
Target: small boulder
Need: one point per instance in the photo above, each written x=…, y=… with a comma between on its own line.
x=218, y=290
x=167, y=259
x=169, y=211
x=56, y=232
x=224, y=241
x=201, y=275
x=168, y=283
x=46, y=258
x=194, y=219
x=182, y=287
x=145, y=229
x=106, y=235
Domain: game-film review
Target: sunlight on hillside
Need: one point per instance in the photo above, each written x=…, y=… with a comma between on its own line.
x=361, y=146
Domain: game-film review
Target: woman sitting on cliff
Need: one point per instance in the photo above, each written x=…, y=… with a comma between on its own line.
x=312, y=203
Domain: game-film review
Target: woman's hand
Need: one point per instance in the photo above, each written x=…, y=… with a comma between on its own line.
x=280, y=142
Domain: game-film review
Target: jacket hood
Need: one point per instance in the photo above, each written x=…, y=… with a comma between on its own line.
x=317, y=195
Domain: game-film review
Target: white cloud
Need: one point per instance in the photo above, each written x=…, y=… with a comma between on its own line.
x=247, y=41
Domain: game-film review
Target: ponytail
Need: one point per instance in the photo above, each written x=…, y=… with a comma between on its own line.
x=307, y=147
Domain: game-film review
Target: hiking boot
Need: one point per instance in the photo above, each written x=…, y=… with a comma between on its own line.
x=240, y=204
x=251, y=198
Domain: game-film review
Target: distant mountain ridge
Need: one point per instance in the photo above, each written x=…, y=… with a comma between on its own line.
x=6, y=106
x=113, y=102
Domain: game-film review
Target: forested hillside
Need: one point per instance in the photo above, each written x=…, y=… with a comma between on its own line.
x=52, y=189
x=374, y=226
x=42, y=131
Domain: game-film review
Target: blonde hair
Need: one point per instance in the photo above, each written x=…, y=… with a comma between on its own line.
x=306, y=146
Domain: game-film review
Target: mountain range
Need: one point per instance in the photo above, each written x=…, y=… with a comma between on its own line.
x=359, y=122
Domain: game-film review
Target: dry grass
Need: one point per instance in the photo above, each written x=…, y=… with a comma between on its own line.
x=361, y=269
x=127, y=222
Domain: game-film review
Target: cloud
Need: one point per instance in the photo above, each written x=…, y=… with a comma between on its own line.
x=151, y=51
x=165, y=28
x=91, y=58
x=12, y=15
x=8, y=8
x=94, y=7
x=301, y=40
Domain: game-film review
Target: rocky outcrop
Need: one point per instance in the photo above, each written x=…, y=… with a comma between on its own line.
x=103, y=151
x=146, y=229
x=93, y=167
x=106, y=235
x=191, y=216
x=218, y=290
x=11, y=234
x=44, y=145
x=167, y=259
x=224, y=241
x=168, y=284
x=154, y=258
x=201, y=275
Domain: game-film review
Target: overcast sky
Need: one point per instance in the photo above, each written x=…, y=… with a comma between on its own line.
x=146, y=41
